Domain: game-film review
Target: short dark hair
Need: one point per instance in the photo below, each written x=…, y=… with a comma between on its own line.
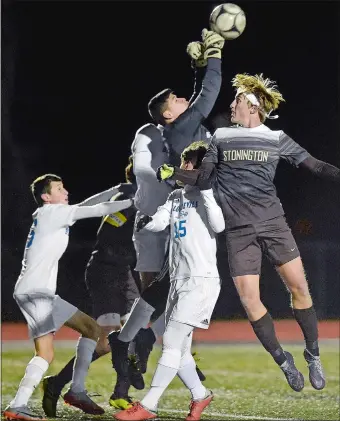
x=129, y=174
x=156, y=105
x=42, y=185
x=195, y=150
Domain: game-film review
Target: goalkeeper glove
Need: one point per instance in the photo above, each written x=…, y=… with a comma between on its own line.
x=212, y=44
x=142, y=221
x=196, y=52
x=164, y=172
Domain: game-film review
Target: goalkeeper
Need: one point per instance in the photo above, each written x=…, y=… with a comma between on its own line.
x=181, y=123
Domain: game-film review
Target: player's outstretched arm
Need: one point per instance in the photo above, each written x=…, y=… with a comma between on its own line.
x=214, y=212
x=101, y=209
x=104, y=196
x=296, y=155
x=321, y=169
x=159, y=221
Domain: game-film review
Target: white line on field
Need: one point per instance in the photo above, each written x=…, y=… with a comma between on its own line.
x=234, y=416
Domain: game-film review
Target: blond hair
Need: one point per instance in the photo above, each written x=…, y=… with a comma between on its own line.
x=265, y=90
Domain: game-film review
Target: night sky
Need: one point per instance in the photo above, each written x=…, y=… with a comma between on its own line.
x=77, y=77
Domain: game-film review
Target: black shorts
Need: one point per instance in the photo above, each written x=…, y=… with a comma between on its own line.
x=113, y=288
x=247, y=243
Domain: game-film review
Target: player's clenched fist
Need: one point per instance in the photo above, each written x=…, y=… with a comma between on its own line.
x=212, y=44
x=164, y=172
x=142, y=221
x=196, y=52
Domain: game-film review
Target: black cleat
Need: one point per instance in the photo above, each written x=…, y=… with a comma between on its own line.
x=316, y=374
x=144, y=341
x=119, y=353
x=135, y=376
x=294, y=377
x=51, y=396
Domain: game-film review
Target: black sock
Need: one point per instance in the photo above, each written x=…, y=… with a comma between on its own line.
x=308, y=323
x=265, y=331
x=65, y=375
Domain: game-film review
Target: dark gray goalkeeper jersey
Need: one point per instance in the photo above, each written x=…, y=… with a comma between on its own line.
x=246, y=161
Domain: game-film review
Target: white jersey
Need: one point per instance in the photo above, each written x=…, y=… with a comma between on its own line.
x=149, y=151
x=194, y=218
x=46, y=243
x=48, y=239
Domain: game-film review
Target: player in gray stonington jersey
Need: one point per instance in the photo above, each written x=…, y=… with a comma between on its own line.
x=244, y=159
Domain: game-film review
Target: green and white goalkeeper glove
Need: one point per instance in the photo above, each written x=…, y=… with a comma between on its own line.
x=212, y=44
x=196, y=52
x=164, y=172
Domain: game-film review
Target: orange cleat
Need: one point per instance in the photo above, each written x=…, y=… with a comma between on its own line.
x=197, y=407
x=137, y=413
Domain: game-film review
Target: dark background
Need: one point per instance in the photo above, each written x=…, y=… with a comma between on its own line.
x=76, y=79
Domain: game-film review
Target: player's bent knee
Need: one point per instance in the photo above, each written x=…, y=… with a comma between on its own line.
x=171, y=357
x=251, y=303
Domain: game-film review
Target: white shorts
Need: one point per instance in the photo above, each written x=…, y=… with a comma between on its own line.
x=44, y=313
x=151, y=248
x=192, y=300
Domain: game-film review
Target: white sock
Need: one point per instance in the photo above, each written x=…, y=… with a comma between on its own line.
x=188, y=374
x=161, y=380
x=35, y=370
x=85, y=349
x=158, y=327
x=140, y=315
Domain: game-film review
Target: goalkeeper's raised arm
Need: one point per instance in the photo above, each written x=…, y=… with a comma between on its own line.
x=183, y=120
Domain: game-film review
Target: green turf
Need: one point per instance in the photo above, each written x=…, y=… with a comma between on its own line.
x=247, y=385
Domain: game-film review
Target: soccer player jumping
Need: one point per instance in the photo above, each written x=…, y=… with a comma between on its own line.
x=245, y=158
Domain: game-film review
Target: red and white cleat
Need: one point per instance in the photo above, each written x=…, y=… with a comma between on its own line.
x=137, y=413
x=197, y=407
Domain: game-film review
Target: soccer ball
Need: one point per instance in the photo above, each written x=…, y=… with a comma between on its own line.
x=228, y=20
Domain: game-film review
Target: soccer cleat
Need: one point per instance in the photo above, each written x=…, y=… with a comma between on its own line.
x=316, y=374
x=197, y=407
x=119, y=353
x=294, y=377
x=120, y=403
x=135, y=376
x=81, y=400
x=20, y=413
x=136, y=413
x=51, y=396
x=201, y=376
x=144, y=341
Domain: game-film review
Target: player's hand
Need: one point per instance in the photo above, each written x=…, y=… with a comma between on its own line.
x=212, y=44
x=196, y=52
x=164, y=172
x=127, y=189
x=142, y=221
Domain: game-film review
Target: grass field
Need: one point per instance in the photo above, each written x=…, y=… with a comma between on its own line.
x=246, y=383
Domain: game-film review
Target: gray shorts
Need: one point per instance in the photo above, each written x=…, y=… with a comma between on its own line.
x=246, y=245
x=44, y=313
x=151, y=248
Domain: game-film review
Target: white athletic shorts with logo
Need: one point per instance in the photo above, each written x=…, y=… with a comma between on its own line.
x=151, y=248
x=192, y=300
x=44, y=313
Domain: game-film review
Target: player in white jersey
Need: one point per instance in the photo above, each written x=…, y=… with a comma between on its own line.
x=194, y=219
x=34, y=292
